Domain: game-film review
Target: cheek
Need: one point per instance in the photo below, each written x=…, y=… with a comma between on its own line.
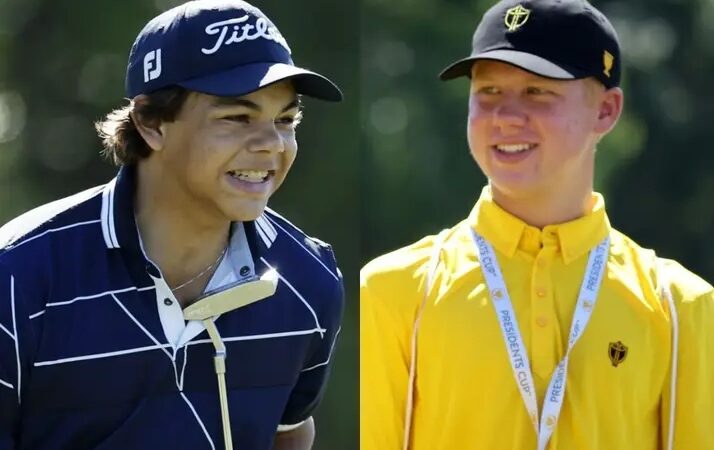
x=476, y=124
x=571, y=131
x=289, y=152
x=477, y=111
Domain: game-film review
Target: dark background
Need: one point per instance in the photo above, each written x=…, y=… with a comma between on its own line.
x=62, y=66
x=656, y=169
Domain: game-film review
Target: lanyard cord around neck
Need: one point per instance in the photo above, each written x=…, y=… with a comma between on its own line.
x=664, y=291
x=544, y=424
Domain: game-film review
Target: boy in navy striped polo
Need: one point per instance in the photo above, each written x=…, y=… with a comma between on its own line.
x=94, y=348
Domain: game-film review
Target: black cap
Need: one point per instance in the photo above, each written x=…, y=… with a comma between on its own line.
x=560, y=39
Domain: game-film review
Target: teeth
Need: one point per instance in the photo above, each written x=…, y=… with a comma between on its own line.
x=251, y=176
x=514, y=148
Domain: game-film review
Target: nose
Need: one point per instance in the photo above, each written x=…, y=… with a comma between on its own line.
x=267, y=139
x=509, y=116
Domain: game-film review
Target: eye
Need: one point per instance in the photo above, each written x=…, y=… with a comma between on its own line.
x=488, y=90
x=535, y=90
x=240, y=118
x=290, y=120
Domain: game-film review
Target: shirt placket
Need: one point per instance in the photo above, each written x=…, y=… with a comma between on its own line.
x=544, y=326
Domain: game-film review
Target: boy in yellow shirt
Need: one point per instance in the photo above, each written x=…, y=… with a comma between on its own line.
x=534, y=324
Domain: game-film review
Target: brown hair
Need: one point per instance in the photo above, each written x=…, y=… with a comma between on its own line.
x=123, y=144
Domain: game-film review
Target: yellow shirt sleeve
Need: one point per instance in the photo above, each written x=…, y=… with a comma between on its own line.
x=390, y=294
x=694, y=402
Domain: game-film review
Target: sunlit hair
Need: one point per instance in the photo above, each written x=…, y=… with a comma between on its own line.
x=123, y=144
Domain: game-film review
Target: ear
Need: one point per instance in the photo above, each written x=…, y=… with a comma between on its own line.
x=609, y=109
x=152, y=132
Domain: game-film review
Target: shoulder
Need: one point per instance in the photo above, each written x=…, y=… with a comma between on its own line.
x=693, y=298
x=271, y=224
x=312, y=268
x=403, y=265
x=400, y=275
x=36, y=246
x=64, y=214
x=688, y=289
x=686, y=285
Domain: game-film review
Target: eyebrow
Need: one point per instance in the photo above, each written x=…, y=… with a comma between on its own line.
x=238, y=101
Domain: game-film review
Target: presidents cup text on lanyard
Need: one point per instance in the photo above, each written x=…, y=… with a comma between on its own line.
x=544, y=423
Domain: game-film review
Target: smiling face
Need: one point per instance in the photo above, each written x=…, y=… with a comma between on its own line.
x=534, y=136
x=223, y=157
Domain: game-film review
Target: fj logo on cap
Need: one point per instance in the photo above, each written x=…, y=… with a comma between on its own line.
x=607, y=60
x=516, y=17
x=152, y=65
x=242, y=32
x=618, y=353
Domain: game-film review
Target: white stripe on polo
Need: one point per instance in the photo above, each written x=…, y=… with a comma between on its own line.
x=108, y=225
x=99, y=355
x=12, y=336
x=295, y=291
x=101, y=294
x=17, y=338
x=263, y=235
x=14, y=231
x=267, y=227
x=304, y=248
x=256, y=337
x=104, y=217
x=164, y=347
x=54, y=230
x=146, y=332
x=198, y=419
x=327, y=361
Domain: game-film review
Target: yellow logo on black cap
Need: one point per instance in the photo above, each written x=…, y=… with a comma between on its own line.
x=607, y=60
x=516, y=17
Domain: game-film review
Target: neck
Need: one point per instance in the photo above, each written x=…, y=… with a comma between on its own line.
x=543, y=210
x=181, y=242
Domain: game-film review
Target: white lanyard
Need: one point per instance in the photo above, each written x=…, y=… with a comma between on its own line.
x=545, y=423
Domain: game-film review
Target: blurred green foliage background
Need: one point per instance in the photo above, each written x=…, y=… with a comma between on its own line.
x=62, y=66
x=656, y=169
x=391, y=163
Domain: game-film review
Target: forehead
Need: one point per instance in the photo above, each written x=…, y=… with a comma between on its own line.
x=486, y=69
x=277, y=95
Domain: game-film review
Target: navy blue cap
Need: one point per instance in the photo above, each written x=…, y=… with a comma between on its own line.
x=218, y=47
x=560, y=39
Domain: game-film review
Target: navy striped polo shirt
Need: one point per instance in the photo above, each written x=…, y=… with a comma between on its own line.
x=94, y=351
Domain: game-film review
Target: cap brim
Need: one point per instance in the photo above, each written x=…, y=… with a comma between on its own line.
x=526, y=61
x=248, y=78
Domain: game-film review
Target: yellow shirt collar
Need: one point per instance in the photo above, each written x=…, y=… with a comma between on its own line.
x=508, y=233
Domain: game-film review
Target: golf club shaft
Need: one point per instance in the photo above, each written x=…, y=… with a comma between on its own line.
x=220, y=364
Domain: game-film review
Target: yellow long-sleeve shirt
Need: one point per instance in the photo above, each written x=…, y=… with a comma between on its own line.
x=465, y=395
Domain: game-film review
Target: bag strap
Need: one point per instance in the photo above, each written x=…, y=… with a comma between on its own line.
x=433, y=264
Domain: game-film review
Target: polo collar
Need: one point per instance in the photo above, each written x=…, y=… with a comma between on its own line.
x=507, y=233
x=119, y=225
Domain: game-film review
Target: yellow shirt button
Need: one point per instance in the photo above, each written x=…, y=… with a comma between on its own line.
x=541, y=321
x=540, y=292
x=541, y=263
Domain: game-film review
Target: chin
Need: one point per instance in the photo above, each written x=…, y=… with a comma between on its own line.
x=513, y=186
x=246, y=211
